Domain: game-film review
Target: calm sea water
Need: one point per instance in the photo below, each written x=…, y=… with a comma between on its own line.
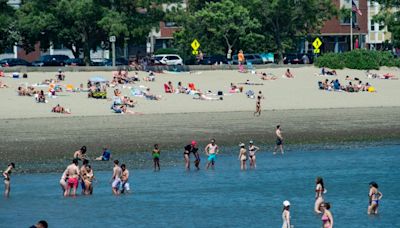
x=225, y=197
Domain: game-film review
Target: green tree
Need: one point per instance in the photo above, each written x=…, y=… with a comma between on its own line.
x=7, y=25
x=390, y=16
x=284, y=21
x=219, y=26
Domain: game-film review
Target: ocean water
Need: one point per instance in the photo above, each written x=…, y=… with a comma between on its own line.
x=224, y=197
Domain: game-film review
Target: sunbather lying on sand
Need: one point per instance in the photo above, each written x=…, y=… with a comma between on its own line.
x=123, y=109
x=60, y=109
x=148, y=95
x=201, y=96
x=3, y=85
x=249, y=83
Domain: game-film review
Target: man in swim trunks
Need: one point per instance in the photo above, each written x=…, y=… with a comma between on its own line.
x=279, y=139
x=124, y=179
x=81, y=153
x=191, y=148
x=211, y=151
x=72, y=172
x=116, y=178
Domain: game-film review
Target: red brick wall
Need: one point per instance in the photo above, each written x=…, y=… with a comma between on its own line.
x=334, y=26
x=35, y=55
x=167, y=31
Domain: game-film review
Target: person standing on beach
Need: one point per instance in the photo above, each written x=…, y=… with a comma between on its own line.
x=242, y=156
x=116, y=178
x=72, y=172
x=319, y=194
x=279, y=139
x=124, y=179
x=7, y=179
x=252, y=154
x=81, y=153
x=211, y=151
x=241, y=61
x=286, y=214
x=258, y=103
x=327, y=218
x=191, y=148
x=374, y=197
x=156, y=157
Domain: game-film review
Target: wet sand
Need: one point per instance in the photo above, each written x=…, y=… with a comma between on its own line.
x=42, y=140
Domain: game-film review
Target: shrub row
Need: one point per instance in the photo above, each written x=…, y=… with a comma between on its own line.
x=357, y=59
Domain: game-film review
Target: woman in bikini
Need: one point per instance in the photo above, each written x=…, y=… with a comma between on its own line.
x=156, y=157
x=286, y=214
x=7, y=181
x=319, y=192
x=252, y=154
x=374, y=197
x=88, y=179
x=258, y=103
x=242, y=156
x=327, y=218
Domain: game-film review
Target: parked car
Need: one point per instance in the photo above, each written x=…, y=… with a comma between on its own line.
x=297, y=58
x=51, y=60
x=75, y=62
x=253, y=58
x=10, y=62
x=168, y=59
x=211, y=60
x=267, y=57
x=123, y=61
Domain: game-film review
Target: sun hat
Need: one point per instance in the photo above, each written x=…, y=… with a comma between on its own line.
x=251, y=142
x=241, y=144
x=286, y=203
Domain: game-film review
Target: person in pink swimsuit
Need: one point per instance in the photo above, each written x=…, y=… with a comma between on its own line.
x=327, y=218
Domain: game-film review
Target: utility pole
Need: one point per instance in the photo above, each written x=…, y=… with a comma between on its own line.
x=351, y=29
x=112, y=40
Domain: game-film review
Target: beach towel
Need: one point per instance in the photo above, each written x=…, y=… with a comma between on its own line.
x=69, y=88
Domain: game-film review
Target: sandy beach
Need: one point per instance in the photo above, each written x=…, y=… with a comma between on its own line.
x=31, y=133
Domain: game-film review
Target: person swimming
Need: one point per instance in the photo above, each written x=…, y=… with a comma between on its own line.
x=7, y=179
x=72, y=172
x=327, y=218
x=319, y=193
x=211, y=151
x=116, y=178
x=156, y=157
x=124, y=180
x=374, y=197
x=252, y=154
x=242, y=156
x=286, y=214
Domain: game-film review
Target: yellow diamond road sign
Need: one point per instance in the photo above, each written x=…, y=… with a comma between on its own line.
x=317, y=43
x=195, y=44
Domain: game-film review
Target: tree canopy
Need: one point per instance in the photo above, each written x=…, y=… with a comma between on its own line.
x=8, y=33
x=84, y=25
x=390, y=16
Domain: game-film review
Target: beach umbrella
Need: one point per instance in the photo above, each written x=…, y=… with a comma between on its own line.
x=98, y=79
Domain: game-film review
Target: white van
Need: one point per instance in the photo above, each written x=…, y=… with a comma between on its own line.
x=168, y=59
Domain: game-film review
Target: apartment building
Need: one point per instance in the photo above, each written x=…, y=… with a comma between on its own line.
x=377, y=33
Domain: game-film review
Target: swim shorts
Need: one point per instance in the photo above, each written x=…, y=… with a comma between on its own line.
x=116, y=183
x=279, y=141
x=125, y=186
x=211, y=158
x=73, y=182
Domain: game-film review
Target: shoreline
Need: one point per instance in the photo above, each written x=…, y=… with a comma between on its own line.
x=55, y=139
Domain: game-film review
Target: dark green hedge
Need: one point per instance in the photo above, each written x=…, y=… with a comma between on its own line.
x=166, y=51
x=357, y=59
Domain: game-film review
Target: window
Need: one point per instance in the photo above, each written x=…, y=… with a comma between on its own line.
x=170, y=24
x=172, y=57
x=372, y=28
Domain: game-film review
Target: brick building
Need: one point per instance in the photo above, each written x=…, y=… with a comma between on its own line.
x=335, y=34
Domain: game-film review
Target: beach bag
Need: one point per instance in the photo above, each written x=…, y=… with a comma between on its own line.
x=250, y=93
x=220, y=93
